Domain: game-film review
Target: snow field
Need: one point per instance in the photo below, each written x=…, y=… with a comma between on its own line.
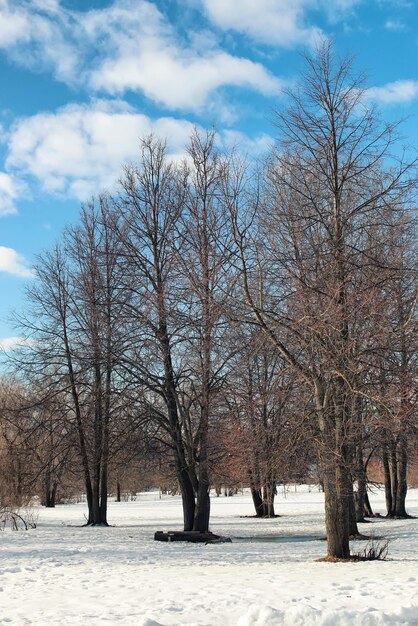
x=63, y=574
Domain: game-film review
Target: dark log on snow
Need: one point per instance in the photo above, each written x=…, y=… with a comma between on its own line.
x=192, y=536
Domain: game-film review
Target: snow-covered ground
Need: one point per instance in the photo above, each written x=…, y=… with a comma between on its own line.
x=64, y=574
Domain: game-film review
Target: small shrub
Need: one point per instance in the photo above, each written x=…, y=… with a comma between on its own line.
x=374, y=550
x=16, y=519
x=31, y=516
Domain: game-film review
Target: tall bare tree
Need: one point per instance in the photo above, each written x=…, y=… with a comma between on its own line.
x=328, y=184
x=76, y=338
x=202, y=252
x=151, y=202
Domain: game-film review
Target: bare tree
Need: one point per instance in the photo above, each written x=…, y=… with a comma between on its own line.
x=327, y=186
x=204, y=244
x=151, y=203
x=17, y=453
x=76, y=338
x=174, y=247
x=398, y=365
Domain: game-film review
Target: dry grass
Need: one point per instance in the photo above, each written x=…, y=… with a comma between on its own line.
x=376, y=549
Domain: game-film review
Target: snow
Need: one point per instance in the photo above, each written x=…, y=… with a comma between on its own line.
x=61, y=573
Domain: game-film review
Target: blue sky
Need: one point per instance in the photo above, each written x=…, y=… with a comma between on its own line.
x=83, y=80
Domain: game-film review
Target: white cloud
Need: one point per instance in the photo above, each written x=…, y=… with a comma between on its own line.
x=346, y=4
x=14, y=25
x=179, y=80
x=13, y=263
x=250, y=146
x=129, y=45
x=12, y=343
x=398, y=4
x=398, y=92
x=395, y=25
x=38, y=34
x=278, y=22
x=79, y=150
x=339, y=9
x=9, y=192
x=340, y=5
x=49, y=6
x=144, y=54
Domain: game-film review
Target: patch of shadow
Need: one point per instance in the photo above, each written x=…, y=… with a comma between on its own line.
x=275, y=539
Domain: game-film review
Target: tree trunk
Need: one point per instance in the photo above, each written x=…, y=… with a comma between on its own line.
x=353, y=528
x=337, y=512
x=268, y=498
x=50, y=490
x=188, y=498
x=388, y=481
x=402, y=486
x=49, y=498
x=202, y=511
x=393, y=468
x=182, y=469
x=334, y=457
x=257, y=501
x=98, y=504
x=360, y=496
x=368, y=511
x=103, y=494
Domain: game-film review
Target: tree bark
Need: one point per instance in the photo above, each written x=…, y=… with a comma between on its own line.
x=257, y=501
x=269, y=489
x=388, y=480
x=337, y=512
x=368, y=511
x=354, y=531
x=402, y=486
x=360, y=495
